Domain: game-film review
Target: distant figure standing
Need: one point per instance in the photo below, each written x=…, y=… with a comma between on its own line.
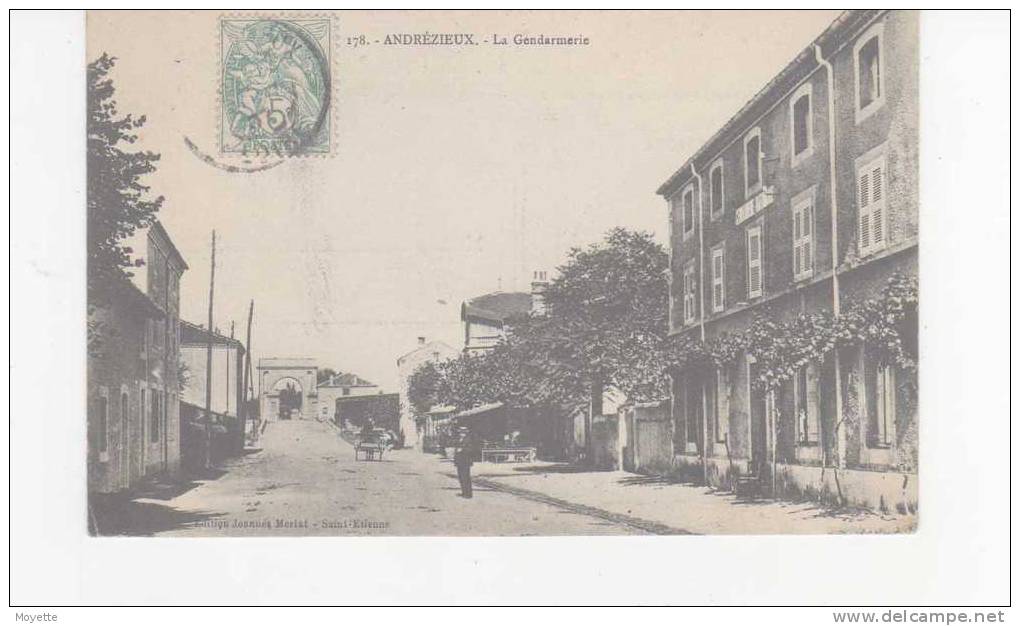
x=468, y=451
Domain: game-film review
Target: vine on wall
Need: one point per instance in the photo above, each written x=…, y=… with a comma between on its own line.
x=782, y=347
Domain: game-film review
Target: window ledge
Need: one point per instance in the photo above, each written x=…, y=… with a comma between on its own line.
x=864, y=113
x=804, y=155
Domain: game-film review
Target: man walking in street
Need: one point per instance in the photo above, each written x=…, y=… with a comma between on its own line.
x=468, y=451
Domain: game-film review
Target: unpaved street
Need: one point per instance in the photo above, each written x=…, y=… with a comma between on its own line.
x=305, y=481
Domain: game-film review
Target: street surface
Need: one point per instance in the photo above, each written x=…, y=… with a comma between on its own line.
x=305, y=481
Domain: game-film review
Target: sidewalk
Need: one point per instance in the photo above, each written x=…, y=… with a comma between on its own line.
x=656, y=505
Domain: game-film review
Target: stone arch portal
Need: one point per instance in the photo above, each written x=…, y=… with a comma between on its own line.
x=287, y=388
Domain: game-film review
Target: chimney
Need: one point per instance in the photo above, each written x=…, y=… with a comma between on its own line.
x=539, y=281
x=421, y=341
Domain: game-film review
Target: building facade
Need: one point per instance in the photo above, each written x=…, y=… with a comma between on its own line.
x=226, y=389
x=424, y=352
x=806, y=201
x=342, y=385
x=133, y=387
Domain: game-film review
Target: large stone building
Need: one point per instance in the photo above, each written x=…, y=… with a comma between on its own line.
x=133, y=392
x=805, y=201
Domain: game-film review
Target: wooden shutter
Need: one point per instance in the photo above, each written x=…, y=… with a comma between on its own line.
x=813, y=425
x=803, y=262
x=754, y=278
x=871, y=193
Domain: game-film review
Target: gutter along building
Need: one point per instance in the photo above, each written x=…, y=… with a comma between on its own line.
x=806, y=201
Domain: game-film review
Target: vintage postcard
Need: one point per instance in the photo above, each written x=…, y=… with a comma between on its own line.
x=514, y=273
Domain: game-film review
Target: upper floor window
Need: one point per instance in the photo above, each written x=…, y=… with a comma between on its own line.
x=718, y=279
x=803, y=235
x=754, y=279
x=690, y=291
x=801, y=140
x=715, y=189
x=871, y=214
x=869, y=72
x=687, y=207
x=752, y=162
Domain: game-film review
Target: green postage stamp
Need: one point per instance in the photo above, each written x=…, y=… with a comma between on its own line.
x=275, y=85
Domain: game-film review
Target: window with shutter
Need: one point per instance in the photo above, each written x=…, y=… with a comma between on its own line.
x=871, y=214
x=806, y=398
x=718, y=284
x=803, y=239
x=754, y=265
x=722, y=405
x=690, y=290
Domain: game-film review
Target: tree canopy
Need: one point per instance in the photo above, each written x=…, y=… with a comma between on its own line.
x=117, y=201
x=603, y=326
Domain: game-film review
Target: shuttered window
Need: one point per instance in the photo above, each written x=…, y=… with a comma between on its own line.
x=718, y=284
x=754, y=278
x=883, y=406
x=803, y=239
x=722, y=405
x=690, y=290
x=871, y=214
x=806, y=394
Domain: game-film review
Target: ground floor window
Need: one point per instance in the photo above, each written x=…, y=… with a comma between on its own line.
x=721, y=397
x=805, y=392
x=881, y=396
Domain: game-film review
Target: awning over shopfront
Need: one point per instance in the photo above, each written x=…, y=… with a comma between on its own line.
x=478, y=412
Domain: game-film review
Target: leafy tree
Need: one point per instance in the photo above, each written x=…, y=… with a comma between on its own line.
x=325, y=374
x=424, y=387
x=605, y=324
x=117, y=203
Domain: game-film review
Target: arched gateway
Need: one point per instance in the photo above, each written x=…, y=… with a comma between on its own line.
x=287, y=388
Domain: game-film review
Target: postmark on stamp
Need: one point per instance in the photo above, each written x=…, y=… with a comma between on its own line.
x=275, y=86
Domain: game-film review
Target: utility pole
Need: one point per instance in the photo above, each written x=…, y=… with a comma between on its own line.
x=242, y=412
x=208, y=359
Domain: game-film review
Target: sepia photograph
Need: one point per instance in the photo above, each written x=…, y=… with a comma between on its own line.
x=293, y=330
x=392, y=307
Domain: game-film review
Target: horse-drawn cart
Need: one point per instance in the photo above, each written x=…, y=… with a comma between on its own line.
x=371, y=447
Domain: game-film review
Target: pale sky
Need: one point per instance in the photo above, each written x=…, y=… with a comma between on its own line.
x=456, y=170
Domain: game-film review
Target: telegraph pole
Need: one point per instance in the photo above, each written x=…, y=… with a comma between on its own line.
x=208, y=359
x=242, y=412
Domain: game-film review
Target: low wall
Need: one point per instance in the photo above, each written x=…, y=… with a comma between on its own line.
x=889, y=492
x=722, y=473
